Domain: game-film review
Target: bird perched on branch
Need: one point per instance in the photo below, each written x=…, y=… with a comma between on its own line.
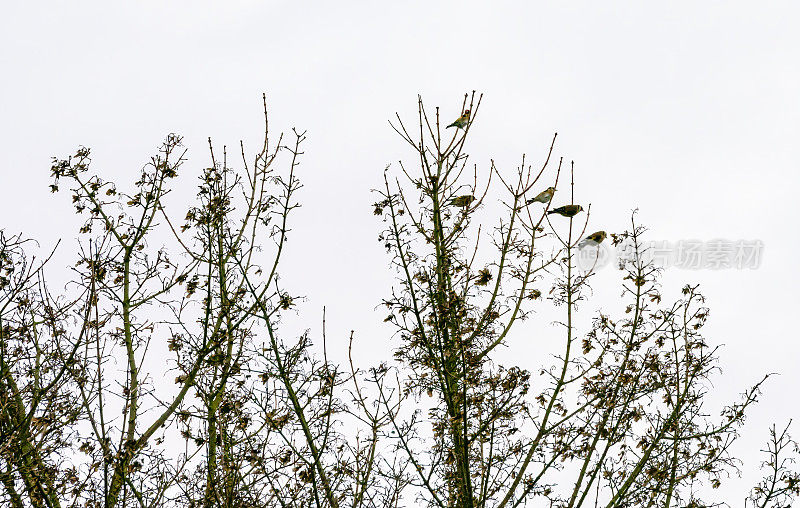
x=567, y=210
x=543, y=197
x=461, y=122
x=462, y=201
x=595, y=238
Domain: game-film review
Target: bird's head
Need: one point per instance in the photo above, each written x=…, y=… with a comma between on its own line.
x=580, y=208
x=466, y=112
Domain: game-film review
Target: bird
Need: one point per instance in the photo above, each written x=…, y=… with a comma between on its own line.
x=596, y=237
x=39, y=425
x=567, y=210
x=463, y=201
x=543, y=197
x=461, y=122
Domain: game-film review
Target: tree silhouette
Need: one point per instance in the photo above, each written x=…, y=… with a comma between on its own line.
x=257, y=417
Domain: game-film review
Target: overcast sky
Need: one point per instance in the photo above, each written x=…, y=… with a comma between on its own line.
x=687, y=110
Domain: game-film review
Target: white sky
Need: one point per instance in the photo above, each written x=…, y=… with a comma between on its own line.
x=687, y=110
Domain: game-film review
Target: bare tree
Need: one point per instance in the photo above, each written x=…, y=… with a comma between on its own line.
x=620, y=421
x=781, y=483
x=257, y=416
x=38, y=358
x=88, y=419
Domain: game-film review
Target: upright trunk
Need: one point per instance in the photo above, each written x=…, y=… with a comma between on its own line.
x=454, y=372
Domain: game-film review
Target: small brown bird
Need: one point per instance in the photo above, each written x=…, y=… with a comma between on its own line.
x=567, y=210
x=597, y=237
x=39, y=425
x=461, y=122
x=543, y=197
x=462, y=201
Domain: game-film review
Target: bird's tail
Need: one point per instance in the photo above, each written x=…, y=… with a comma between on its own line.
x=551, y=211
x=523, y=205
x=451, y=125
